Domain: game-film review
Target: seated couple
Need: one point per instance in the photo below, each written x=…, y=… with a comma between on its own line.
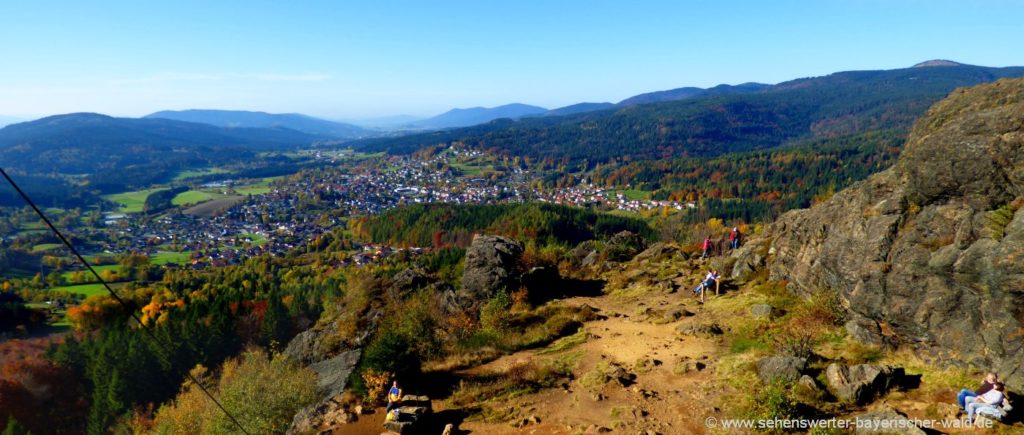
x=990, y=399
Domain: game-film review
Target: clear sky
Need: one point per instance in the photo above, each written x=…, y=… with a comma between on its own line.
x=352, y=59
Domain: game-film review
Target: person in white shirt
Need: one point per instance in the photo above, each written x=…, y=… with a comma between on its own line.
x=992, y=398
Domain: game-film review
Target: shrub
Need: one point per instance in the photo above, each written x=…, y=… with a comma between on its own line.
x=262, y=393
x=376, y=384
x=494, y=314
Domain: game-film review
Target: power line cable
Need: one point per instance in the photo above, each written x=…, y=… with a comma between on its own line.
x=117, y=298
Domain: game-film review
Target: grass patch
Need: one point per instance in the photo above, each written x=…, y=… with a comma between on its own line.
x=88, y=276
x=566, y=343
x=256, y=239
x=261, y=187
x=83, y=289
x=165, y=257
x=636, y=195
x=518, y=380
x=132, y=202
x=192, y=197
x=43, y=247
x=194, y=173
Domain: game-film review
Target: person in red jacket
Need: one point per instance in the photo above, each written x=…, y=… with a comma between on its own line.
x=734, y=237
x=707, y=247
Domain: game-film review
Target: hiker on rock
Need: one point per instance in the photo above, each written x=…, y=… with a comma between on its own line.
x=394, y=397
x=990, y=379
x=707, y=247
x=991, y=399
x=734, y=238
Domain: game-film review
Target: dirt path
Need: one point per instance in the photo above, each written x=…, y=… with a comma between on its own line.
x=633, y=333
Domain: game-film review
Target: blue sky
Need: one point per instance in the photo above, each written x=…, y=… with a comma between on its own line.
x=348, y=59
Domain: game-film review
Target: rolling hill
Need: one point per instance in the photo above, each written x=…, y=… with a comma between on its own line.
x=479, y=115
x=109, y=154
x=244, y=119
x=797, y=111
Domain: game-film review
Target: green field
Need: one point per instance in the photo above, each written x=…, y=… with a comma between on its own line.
x=471, y=170
x=165, y=257
x=636, y=195
x=256, y=239
x=88, y=276
x=193, y=173
x=84, y=289
x=193, y=197
x=132, y=202
x=43, y=247
x=258, y=188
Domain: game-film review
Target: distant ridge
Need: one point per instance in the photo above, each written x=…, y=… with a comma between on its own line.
x=479, y=115
x=692, y=92
x=937, y=62
x=245, y=119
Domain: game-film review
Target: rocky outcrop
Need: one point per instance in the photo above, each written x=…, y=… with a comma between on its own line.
x=492, y=264
x=624, y=245
x=784, y=368
x=410, y=416
x=861, y=383
x=929, y=252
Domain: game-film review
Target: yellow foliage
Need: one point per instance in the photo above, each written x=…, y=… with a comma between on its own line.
x=376, y=384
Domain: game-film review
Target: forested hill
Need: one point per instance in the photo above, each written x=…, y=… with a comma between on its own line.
x=836, y=105
x=440, y=225
x=246, y=119
x=124, y=150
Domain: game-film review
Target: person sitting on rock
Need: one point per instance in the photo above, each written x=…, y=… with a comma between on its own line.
x=394, y=397
x=986, y=385
x=710, y=280
x=991, y=399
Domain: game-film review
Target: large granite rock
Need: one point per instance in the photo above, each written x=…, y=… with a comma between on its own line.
x=918, y=253
x=784, y=368
x=861, y=383
x=410, y=416
x=492, y=264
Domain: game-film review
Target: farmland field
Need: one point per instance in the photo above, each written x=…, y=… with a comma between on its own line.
x=193, y=173
x=193, y=197
x=165, y=257
x=132, y=202
x=83, y=289
x=214, y=207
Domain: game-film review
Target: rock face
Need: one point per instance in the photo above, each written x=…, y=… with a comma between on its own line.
x=492, y=264
x=861, y=383
x=929, y=252
x=785, y=368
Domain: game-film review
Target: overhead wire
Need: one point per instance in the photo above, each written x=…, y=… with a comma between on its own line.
x=149, y=332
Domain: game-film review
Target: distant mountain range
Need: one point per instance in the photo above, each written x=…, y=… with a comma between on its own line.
x=723, y=119
x=478, y=115
x=245, y=119
x=114, y=152
x=691, y=92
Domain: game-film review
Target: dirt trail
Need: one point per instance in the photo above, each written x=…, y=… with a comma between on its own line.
x=630, y=332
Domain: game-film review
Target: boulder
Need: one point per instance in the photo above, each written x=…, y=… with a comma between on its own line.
x=930, y=246
x=703, y=330
x=657, y=251
x=886, y=421
x=332, y=374
x=624, y=245
x=492, y=264
x=410, y=415
x=407, y=281
x=865, y=331
x=784, y=368
x=860, y=384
